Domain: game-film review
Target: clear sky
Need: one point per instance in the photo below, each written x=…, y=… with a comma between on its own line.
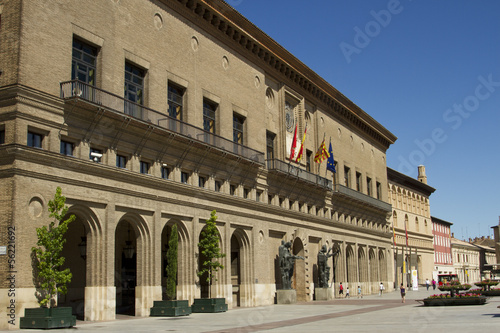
x=427, y=70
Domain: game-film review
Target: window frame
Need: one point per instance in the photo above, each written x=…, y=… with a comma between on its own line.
x=144, y=167
x=31, y=142
x=87, y=51
x=66, y=145
x=119, y=159
x=238, y=129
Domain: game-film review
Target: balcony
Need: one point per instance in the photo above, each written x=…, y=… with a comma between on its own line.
x=77, y=90
x=294, y=171
x=358, y=196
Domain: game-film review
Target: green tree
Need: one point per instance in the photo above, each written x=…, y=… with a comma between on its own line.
x=210, y=249
x=53, y=280
x=172, y=264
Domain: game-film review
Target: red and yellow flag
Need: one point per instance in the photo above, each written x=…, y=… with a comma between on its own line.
x=301, y=150
x=294, y=143
x=322, y=153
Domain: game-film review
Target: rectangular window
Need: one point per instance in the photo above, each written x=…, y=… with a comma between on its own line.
x=144, y=167
x=270, y=145
x=258, y=194
x=246, y=191
x=308, y=160
x=209, y=119
x=175, y=104
x=202, y=181
x=369, y=186
x=347, y=174
x=134, y=90
x=184, y=177
x=218, y=185
x=232, y=189
x=270, y=199
x=2, y=137
x=165, y=172
x=66, y=148
x=83, y=67
x=379, y=191
x=358, y=182
x=35, y=140
x=95, y=155
x=238, y=129
x=121, y=161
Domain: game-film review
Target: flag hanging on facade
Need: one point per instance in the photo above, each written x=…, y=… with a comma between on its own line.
x=330, y=164
x=294, y=143
x=301, y=150
x=322, y=154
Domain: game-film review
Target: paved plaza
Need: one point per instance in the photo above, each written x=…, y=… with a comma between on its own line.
x=372, y=313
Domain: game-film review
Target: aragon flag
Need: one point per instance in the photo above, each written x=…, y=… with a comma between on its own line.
x=322, y=154
x=301, y=150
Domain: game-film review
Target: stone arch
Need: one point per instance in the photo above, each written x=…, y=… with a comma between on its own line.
x=382, y=260
x=216, y=288
x=241, y=268
x=299, y=273
x=351, y=265
x=373, y=264
x=362, y=269
x=134, y=271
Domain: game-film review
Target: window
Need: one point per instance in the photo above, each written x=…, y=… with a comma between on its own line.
x=184, y=177
x=83, y=65
x=165, y=172
x=270, y=145
x=218, y=185
x=358, y=182
x=291, y=203
x=270, y=199
x=232, y=189
x=175, y=101
x=347, y=173
x=308, y=160
x=258, y=194
x=379, y=191
x=121, y=161
x=369, y=186
x=134, y=90
x=202, y=181
x=144, y=167
x=66, y=148
x=246, y=191
x=35, y=140
x=2, y=136
x=209, y=117
x=238, y=129
x=281, y=202
x=95, y=155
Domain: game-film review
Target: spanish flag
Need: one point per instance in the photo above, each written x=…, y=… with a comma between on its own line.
x=301, y=150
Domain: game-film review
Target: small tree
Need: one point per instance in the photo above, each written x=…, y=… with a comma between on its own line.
x=210, y=249
x=172, y=264
x=48, y=253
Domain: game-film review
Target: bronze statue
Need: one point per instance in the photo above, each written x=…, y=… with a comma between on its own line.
x=286, y=263
x=323, y=268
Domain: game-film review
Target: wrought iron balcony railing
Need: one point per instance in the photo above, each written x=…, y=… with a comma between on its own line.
x=295, y=171
x=77, y=89
x=341, y=189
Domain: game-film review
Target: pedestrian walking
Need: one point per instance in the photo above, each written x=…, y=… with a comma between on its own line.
x=381, y=288
x=341, y=290
x=427, y=283
x=433, y=284
x=359, y=292
x=347, y=292
x=403, y=293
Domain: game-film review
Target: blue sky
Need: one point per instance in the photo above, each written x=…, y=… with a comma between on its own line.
x=429, y=71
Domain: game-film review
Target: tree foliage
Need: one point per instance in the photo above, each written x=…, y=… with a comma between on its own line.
x=210, y=249
x=50, y=244
x=172, y=264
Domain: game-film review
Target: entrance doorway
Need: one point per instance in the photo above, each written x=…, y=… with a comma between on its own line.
x=125, y=268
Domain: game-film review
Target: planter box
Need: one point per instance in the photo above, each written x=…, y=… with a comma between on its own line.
x=46, y=318
x=170, y=308
x=455, y=301
x=209, y=305
x=490, y=293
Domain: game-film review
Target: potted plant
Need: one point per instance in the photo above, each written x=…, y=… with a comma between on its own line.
x=51, y=279
x=171, y=307
x=486, y=285
x=210, y=249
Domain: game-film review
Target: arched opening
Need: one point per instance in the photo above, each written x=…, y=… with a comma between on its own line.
x=362, y=269
x=125, y=267
x=299, y=272
x=236, y=270
x=205, y=291
x=165, y=237
x=383, y=265
x=74, y=252
x=351, y=267
x=374, y=277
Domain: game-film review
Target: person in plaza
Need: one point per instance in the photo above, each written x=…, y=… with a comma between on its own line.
x=433, y=284
x=347, y=292
x=341, y=290
x=403, y=293
x=381, y=288
x=359, y=292
x=427, y=283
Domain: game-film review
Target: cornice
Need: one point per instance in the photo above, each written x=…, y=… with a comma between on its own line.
x=232, y=28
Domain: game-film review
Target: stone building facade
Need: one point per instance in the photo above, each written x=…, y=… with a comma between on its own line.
x=412, y=226
x=154, y=113
x=443, y=258
x=466, y=261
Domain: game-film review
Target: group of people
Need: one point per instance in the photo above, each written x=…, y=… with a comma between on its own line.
x=347, y=294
